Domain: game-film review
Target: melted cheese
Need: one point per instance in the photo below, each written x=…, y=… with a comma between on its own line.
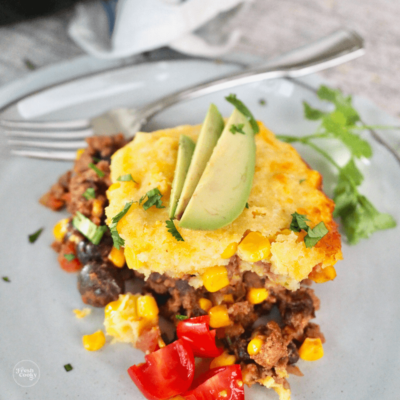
x=283, y=184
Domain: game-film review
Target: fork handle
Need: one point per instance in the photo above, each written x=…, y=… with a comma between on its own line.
x=338, y=47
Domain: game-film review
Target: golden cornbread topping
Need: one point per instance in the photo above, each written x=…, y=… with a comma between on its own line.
x=283, y=184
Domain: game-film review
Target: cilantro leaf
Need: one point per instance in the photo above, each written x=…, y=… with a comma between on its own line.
x=126, y=178
x=29, y=64
x=363, y=219
x=34, y=236
x=173, y=231
x=181, y=317
x=315, y=234
x=262, y=102
x=6, y=279
x=89, y=194
x=68, y=367
x=298, y=222
x=312, y=113
x=117, y=240
x=88, y=229
x=99, y=173
x=153, y=199
x=237, y=128
x=69, y=257
x=247, y=205
x=244, y=110
x=351, y=171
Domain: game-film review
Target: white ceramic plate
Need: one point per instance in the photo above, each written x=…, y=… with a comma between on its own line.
x=360, y=313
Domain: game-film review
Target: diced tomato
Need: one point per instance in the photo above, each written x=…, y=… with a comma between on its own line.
x=166, y=373
x=72, y=265
x=196, y=332
x=50, y=201
x=224, y=383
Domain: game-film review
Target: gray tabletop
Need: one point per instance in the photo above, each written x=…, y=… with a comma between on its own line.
x=269, y=27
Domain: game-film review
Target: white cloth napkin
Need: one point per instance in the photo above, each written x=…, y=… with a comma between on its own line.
x=120, y=28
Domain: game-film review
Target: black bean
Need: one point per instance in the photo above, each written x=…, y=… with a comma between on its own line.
x=100, y=284
x=87, y=251
x=293, y=353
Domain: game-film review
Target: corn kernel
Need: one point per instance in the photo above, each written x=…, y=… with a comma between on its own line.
x=239, y=383
x=60, y=229
x=219, y=317
x=311, y=350
x=147, y=307
x=161, y=343
x=257, y=295
x=82, y=313
x=75, y=239
x=97, y=209
x=205, y=304
x=254, y=346
x=323, y=275
x=79, y=153
x=223, y=393
x=223, y=360
x=230, y=250
x=131, y=259
x=215, y=278
x=117, y=257
x=114, y=186
x=228, y=298
x=254, y=247
x=94, y=342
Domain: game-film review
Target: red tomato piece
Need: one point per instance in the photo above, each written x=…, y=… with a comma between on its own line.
x=224, y=383
x=196, y=332
x=166, y=373
x=68, y=264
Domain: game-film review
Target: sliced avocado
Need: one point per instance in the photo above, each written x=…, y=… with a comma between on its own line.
x=185, y=153
x=210, y=132
x=225, y=185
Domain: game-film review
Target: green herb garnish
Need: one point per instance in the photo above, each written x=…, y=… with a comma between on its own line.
x=34, y=236
x=29, y=64
x=6, y=279
x=244, y=110
x=360, y=219
x=302, y=180
x=173, y=231
x=262, y=102
x=68, y=367
x=126, y=178
x=117, y=240
x=229, y=340
x=314, y=235
x=89, y=194
x=237, y=128
x=247, y=205
x=153, y=199
x=181, y=317
x=95, y=159
x=69, y=257
x=88, y=229
x=99, y=173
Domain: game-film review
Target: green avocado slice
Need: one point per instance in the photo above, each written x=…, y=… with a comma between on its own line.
x=185, y=153
x=210, y=132
x=223, y=190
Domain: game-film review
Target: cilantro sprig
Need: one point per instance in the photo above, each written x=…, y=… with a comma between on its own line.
x=153, y=199
x=89, y=194
x=237, y=128
x=117, y=240
x=69, y=257
x=34, y=236
x=173, y=231
x=359, y=217
x=126, y=178
x=314, y=235
x=180, y=317
x=244, y=110
x=98, y=171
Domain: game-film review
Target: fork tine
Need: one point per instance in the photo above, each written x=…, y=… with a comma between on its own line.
x=51, y=135
x=77, y=144
x=77, y=124
x=47, y=155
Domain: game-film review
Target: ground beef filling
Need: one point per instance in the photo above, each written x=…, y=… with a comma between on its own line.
x=282, y=320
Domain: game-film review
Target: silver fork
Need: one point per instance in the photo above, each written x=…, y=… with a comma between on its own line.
x=59, y=140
